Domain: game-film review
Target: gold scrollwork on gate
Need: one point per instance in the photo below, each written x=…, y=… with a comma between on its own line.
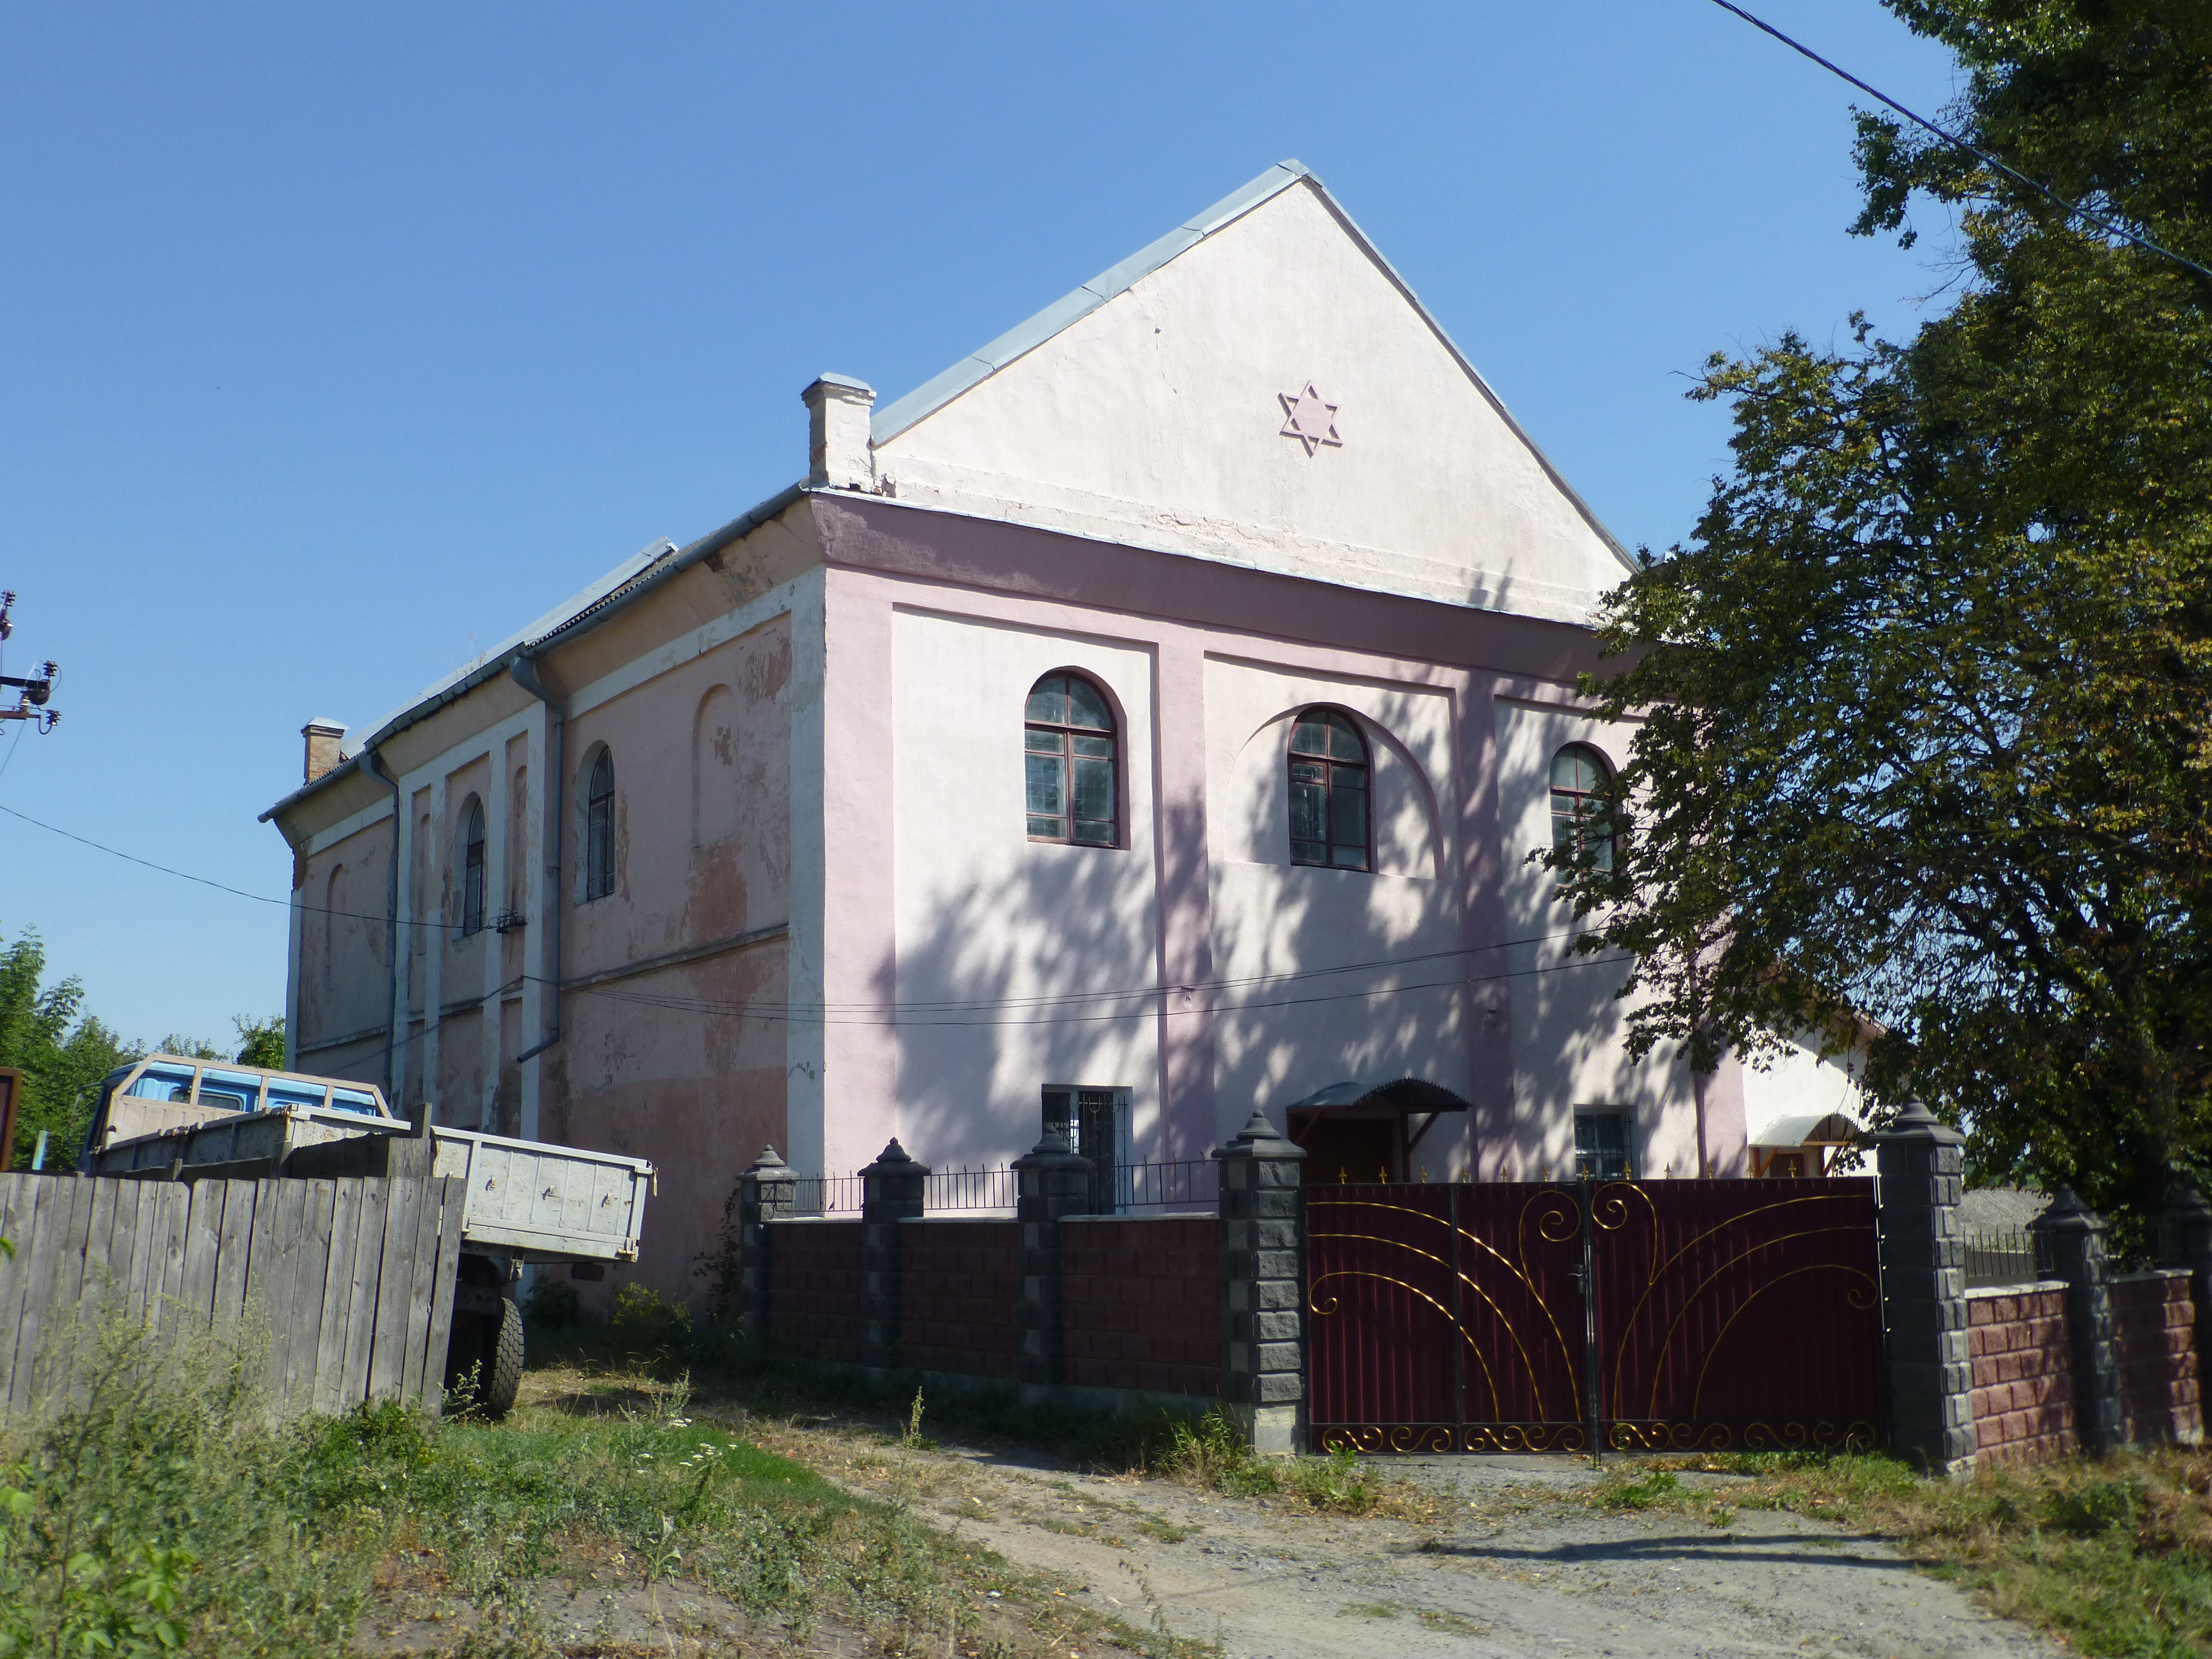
x=1495, y=1439
x=1668, y=1434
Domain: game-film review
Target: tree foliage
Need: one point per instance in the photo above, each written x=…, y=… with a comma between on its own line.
x=1927, y=698
x=63, y=1052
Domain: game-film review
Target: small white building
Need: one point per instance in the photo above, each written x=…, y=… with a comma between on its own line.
x=1148, y=719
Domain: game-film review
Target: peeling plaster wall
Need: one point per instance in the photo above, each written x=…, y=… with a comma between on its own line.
x=339, y=990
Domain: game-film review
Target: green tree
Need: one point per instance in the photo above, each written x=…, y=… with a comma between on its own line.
x=62, y=1053
x=261, y=1042
x=1927, y=700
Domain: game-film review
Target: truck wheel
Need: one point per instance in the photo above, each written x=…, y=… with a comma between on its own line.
x=502, y=1361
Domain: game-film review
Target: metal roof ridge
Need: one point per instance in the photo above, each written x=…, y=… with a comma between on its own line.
x=1026, y=336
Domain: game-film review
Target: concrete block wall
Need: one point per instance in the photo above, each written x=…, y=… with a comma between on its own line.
x=2022, y=1358
x=960, y=1291
x=1141, y=1304
x=2154, y=1328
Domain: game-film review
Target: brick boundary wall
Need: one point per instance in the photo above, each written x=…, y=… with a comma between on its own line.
x=1141, y=1304
x=2022, y=1357
x=960, y=1296
x=814, y=1289
x=2155, y=1321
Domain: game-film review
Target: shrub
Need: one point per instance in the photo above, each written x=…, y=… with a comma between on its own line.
x=646, y=1322
x=552, y=1304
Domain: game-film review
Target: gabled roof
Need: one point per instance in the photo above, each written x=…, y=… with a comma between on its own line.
x=934, y=394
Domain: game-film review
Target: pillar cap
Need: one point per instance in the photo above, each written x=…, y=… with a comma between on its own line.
x=1258, y=1138
x=2068, y=1214
x=1053, y=1151
x=1915, y=1125
x=893, y=1160
x=767, y=1163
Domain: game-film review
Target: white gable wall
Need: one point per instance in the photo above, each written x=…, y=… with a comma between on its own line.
x=1156, y=420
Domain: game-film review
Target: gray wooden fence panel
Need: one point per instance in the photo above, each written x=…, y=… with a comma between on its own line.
x=318, y=1213
x=421, y=1291
x=337, y=1297
x=276, y=1269
x=361, y=1312
x=25, y=1196
x=352, y=1279
x=233, y=1245
x=395, y=1284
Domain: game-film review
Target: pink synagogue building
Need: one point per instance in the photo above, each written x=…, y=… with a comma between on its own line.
x=1147, y=721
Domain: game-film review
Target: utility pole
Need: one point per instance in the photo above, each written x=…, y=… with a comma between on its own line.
x=32, y=692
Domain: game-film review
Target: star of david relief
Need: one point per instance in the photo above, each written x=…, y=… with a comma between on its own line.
x=1310, y=419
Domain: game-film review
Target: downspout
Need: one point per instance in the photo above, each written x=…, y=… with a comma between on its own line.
x=372, y=764
x=523, y=671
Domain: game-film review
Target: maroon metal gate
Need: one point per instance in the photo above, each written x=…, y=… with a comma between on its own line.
x=1662, y=1315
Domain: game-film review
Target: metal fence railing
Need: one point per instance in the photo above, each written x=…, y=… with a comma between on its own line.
x=1136, y=1189
x=2013, y=1256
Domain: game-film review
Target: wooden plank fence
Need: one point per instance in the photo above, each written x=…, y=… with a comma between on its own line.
x=352, y=1278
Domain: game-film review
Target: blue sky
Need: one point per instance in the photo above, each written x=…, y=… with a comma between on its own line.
x=337, y=342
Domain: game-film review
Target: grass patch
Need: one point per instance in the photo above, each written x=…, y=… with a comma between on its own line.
x=1367, y=1610
x=1212, y=1455
x=162, y=1513
x=2113, y=1554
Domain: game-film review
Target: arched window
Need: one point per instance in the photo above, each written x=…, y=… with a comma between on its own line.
x=473, y=867
x=1580, y=823
x=600, y=828
x=1328, y=792
x=1067, y=752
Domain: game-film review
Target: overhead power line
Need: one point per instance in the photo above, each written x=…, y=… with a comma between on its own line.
x=860, y=1012
x=2110, y=227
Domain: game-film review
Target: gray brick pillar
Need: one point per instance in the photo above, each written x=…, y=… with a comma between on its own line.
x=1923, y=1292
x=891, y=1191
x=2185, y=1240
x=1263, y=1235
x=766, y=1192
x=1052, y=1181
x=2072, y=1242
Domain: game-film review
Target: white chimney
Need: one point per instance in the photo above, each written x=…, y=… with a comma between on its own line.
x=323, y=753
x=838, y=454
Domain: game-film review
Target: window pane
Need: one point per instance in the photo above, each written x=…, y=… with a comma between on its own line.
x=1043, y=743
x=1086, y=706
x=1048, y=702
x=1096, y=832
x=1308, y=812
x=1050, y=827
x=1344, y=740
x=1348, y=809
x=1047, y=775
x=1350, y=857
x=1311, y=735
x=1102, y=747
x=603, y=776
x=1094, y=789
x=1309, y=852
x=1308, y=772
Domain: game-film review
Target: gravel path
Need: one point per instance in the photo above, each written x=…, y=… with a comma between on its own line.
x=1511, y=1564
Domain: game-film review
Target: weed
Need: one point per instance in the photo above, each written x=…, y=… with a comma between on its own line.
x=1436, y=1619
x=645, y=1322
x=912, y=1439
x=2101, y=1507
x=1367, y=1610
x=1661, y=1486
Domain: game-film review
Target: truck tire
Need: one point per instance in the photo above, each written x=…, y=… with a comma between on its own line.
x=502, y=1361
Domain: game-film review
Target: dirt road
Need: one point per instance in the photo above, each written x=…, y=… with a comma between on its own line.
x=1509, y=1562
